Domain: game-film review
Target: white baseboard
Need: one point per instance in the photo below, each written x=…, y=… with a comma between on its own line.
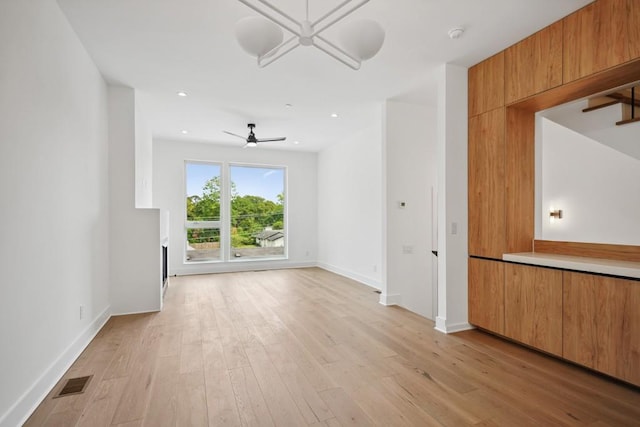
x=441, y=326
x=29, y=401
x=388, y=300
x=233, y=267
x=350, y=274
x=126, y=313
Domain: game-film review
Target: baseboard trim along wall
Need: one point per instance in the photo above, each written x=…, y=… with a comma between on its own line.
x=29, y=401
x=388, y=300
x=350, y=274
x=236, y=267
x=441, y=326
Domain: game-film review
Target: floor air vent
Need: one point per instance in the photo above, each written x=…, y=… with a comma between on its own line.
x=74, y=386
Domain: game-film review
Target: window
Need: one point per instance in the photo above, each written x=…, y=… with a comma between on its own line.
x=202, y=225
x=257, y=212
x=234, y=213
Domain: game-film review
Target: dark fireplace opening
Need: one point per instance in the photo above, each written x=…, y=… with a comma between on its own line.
x=165, y=268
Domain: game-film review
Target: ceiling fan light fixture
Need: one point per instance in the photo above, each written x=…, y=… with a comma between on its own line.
x=258, y=36
x=252, y=144
x=362, y=38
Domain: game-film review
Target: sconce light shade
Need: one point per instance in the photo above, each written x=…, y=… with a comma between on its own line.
x=257, y=35
x=362, y=39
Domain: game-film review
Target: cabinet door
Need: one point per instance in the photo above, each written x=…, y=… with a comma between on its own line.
x=534, y=64
x=486, y=85
x=486, y=294
x=599, y=36
x=486, y=184
x=601, y=324
x=533, y=306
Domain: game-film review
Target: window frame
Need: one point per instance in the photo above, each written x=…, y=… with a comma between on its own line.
x=224, y=223
x=214, y=225
x=285, y=216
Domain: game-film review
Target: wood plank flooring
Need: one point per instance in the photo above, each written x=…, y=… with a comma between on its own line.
x=308, y=347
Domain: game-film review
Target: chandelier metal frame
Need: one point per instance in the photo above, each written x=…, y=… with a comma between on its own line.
x=306, y=32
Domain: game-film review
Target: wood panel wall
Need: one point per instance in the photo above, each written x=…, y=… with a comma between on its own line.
x=486, y=85
x=589, y=250
x=535, y=64
x=542, y=71
x=600, y=36
x=486, y=187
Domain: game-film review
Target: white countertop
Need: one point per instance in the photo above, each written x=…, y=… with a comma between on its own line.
x=590, y=265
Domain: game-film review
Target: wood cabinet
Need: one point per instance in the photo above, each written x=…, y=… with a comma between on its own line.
x=486, y=158
x=486, y=85
x=533, y=306
x=534, y=64
x=601, y=35
x=486, y=294
x=601, y=324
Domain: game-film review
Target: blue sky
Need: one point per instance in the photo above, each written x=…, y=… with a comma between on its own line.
x=255, y=181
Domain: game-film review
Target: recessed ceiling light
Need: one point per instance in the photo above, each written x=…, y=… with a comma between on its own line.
x=181, y=93
x=334, y=115
x=184, y=132
x=296, y=142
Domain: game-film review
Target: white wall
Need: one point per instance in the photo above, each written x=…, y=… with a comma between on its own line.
x=597, y=188
x=54, y=186
x=453, y=249
x=143, y=160
x=411, y=174
x=599, y=125
x=135, y=251
x=301, y=193
x=350, y=206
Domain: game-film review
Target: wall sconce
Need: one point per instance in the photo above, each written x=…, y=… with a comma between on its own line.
x=556, y=213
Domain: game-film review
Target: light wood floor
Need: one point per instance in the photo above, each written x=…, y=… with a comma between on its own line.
x=307, y=347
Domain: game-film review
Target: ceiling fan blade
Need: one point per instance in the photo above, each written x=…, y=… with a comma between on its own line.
x=234, y=134
x=280, y=138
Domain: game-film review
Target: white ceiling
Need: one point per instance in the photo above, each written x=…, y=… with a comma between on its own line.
x=160, y=47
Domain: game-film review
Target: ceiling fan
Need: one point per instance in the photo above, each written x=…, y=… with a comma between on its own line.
x=252, y=141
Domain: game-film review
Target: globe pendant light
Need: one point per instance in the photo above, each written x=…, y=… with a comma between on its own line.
x=263, y=38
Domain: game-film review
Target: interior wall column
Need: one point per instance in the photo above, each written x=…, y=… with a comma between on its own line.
x=452, y=199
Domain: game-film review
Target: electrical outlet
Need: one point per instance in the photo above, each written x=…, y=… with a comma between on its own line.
x=454, y=228
x=81, y=312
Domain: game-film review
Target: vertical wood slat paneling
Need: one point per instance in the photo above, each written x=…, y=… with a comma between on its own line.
x=486, y=191
x=601, y=324
x=534, y=64
x=486, y=294
x=486, y=85
x=533, y=306
x=600, y=36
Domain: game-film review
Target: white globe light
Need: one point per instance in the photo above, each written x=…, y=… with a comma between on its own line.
x=258, y=36
x=362, y=39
